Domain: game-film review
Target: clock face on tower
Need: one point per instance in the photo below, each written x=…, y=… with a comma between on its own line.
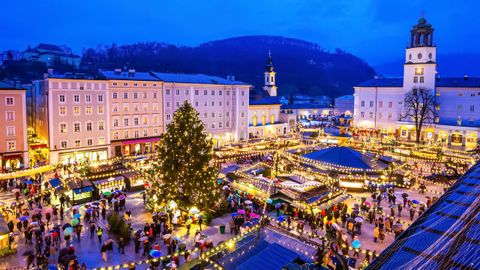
x=419, y=56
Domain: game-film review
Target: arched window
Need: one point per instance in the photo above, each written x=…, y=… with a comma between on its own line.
x=255, y=120
x=272, y=119
x=264, y=120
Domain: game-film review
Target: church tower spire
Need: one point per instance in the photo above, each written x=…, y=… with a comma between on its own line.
x=421, y=57
x=269, y=85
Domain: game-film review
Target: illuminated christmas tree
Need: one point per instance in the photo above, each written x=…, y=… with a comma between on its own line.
x=185, y=171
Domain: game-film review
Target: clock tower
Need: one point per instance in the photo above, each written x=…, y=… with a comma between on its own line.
x=421, y=58
x=269, y=85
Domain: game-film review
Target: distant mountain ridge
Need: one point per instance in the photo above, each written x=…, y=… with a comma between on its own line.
x=302, y=67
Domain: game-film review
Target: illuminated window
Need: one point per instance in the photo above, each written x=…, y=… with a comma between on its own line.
x=255, y=119
x=88, y=110
x=76, y=110
x=272, y=119
x=63, y=110
x=419, y=71
x=77, y=143
x=264, y=120
x=11, y=145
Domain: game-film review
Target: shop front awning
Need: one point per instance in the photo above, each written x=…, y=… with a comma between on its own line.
x=146, y=140
x=12, y=157
x=83, y=190
x=38, y=146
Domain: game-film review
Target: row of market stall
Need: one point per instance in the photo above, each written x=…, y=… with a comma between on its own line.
x=82, y=191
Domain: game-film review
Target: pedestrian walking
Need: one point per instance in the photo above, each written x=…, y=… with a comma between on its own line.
x=99, y=234
x=92, y=230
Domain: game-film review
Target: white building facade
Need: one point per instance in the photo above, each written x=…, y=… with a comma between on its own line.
x=378, y=103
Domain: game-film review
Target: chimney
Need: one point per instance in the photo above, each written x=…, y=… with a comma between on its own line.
x=18, y=85
x=50, y=71
x=118, y=71
x=465, y=77
x=232, y=77
x=131, y=72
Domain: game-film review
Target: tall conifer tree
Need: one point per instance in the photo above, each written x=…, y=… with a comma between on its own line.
x=185, y=171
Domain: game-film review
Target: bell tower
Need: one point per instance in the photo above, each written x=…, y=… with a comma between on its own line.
x=269, y=85
x=420, y=58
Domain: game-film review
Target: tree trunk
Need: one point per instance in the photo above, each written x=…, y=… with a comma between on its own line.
x=418, y=131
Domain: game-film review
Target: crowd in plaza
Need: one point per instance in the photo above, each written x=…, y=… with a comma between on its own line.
x=50, y=228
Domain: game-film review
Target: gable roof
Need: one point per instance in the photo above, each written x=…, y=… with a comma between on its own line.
x=273, y=257
x=125, y=75
x=345, y=156
x=6, y=85
x=471, y=82
x=195, y=78
x=446, y=236
x=382, y=82
x=265, y=101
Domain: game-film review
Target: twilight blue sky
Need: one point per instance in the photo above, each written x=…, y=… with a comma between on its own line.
x=376, y=30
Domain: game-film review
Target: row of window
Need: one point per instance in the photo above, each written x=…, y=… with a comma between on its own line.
x=134, y=84
x=460, y=94
x=78, y=143
x=205, y=104
x=135, y=95
x=76, y=98
x=77, y=127
x=205, y=92
x=136, y=134
x=136, y=107
x=81, y=86
x=380, y=115
x=77, y=110
x=459, y=108
x=380, y=104
x=136, y=121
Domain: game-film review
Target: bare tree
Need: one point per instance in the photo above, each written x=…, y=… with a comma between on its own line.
x=419, y=107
